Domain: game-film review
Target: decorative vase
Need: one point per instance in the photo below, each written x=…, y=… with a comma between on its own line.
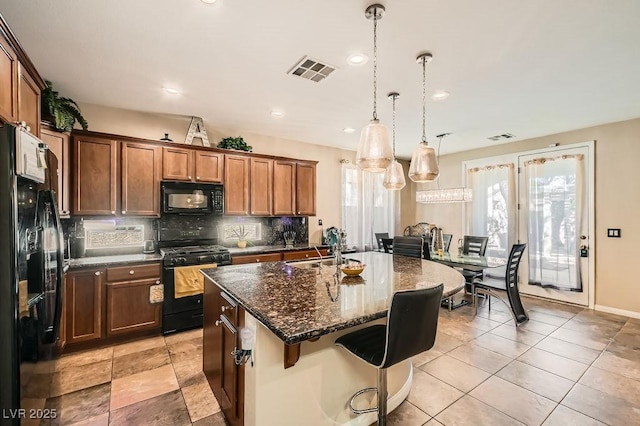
x=242, y=243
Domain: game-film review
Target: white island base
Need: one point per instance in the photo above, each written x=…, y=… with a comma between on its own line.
x=317, y=389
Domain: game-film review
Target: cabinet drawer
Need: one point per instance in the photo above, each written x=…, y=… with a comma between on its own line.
x=271, y=257
x=229, y=309
x=134, y=272
x=303, y=254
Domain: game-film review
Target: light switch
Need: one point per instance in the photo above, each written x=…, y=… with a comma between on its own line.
x=319, y=222
x=613, y=233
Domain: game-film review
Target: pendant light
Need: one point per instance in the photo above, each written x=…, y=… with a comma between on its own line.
x=394, y=175
x=374, y=150
x=424, y=166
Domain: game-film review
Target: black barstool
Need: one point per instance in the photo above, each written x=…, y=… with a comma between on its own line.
x=411, y=329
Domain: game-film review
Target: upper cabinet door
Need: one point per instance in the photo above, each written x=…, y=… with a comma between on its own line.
x=95, y=177
x=140, y=179
x=177, y=164
x=306, y=189
x=261, y=186
x=284, y=187
x=209, y=167
x=28, y=101
x=8, y=82
x=59, y=145
x=236, y=185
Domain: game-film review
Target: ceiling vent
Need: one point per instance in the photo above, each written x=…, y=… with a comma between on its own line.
x=501, y=137
x=311, y=69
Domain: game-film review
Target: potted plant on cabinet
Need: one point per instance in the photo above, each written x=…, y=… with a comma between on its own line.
x=61, y=112
x=235, y=143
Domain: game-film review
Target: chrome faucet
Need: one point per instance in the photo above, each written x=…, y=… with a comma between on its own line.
x=320, y=262
x=339, y=245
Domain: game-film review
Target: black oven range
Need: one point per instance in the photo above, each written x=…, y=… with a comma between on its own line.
x=183, y=249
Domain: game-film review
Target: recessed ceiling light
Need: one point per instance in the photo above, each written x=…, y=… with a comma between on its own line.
x=348, y=130
x=357, y=59
x=277, y=114
x=172, y=90
x=208, y=1
x=440, y=96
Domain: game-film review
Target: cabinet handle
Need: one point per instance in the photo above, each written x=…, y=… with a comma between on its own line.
x=157, y=281
x=189, y=177
x=113, y=212
x=131, y=272
x=97, y=273
x=124, y=212
x=218, y=322
x=258, y=260
x=226, y=308
x=306, y=255
x=197, y=177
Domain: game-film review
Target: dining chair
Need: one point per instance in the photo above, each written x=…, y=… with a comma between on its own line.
x=487, y=288
x=379, y=237
x=408, y=246
x=473, y=245
x=411, y=329
x=446, y=241
x=387, y=245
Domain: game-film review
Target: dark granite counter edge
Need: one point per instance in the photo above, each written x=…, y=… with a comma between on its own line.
x=270, y=249
x=104, y=261
x=296, y=338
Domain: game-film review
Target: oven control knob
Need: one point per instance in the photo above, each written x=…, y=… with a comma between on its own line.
x=181, y=260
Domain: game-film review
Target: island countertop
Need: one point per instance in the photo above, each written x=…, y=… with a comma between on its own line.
x=299, y=304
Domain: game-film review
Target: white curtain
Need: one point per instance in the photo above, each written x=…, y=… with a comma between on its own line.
x=555, y=201
x=367, y=207
x=492, y=213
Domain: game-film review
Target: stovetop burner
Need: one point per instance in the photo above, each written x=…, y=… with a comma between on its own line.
x=189, y=250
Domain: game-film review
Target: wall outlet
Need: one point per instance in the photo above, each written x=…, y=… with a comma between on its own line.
x=613, y=233
x=319, y=222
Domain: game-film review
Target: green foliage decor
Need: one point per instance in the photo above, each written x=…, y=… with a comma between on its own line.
x=63, y=112
x=235, y=143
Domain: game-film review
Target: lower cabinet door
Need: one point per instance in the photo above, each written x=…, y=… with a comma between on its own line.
x=83, y=306
x=129, y=309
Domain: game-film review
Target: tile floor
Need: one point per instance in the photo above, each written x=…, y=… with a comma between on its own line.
x=566, y=366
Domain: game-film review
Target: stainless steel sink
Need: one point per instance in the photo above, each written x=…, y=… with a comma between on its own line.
x=315, y=263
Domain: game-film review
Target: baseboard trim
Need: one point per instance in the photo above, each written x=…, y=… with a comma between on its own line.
x=616, y=311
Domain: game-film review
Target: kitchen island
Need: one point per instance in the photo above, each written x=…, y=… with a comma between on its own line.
x=295, y=312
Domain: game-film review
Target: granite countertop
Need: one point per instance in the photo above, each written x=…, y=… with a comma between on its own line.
x=298, y=304
x=235, y=251
x=96, y=261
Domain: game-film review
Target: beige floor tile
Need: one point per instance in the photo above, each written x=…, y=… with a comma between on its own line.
x=200, y=401
x=616, y=359
x=168, y=409
x=601, y=406
x=553, y=363
x=138, y=346
x=539, y=381
x=185, y=349
x=537, y=327
x=602, y=329
x=83, y=358
x=215, y=420
x=430, y=394
x=36, y=386
x=601, y=317
x=456, y=373
x=461, y=331
x=494, y=315
x=142, y=386
x=501, y=345
x=468, y=411
x=75, y=378
x=407, y=414
x=32, y=404
x=613, y=384
x=546, y=318
x=433, y=422
x=425, y=357
x=557, y=309
x=517, y=334
x=563, y=416
x=101, y=420
x=591, y=341
x=445, y=342
x=140, y=361
x=479, y=357
x=478, y=322
x=628, y=337
x=568, y=350
x=189, y=371
x=521, y=404
x=182, y=336
x=80, y=405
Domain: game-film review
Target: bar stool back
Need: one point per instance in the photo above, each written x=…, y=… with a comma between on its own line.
x=411, y=329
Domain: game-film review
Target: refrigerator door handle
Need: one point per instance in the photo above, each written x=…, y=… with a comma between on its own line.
x=51, y=334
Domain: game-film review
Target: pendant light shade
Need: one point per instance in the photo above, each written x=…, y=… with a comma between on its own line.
x=394, y=174
x=374, y=150
x=424, y=165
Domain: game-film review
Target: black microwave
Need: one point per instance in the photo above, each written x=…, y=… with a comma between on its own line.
x=192, y=198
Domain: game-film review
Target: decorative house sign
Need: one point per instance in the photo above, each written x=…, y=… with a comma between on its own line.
x=197, y=130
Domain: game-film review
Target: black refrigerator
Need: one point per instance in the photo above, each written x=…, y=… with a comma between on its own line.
x=31, y=265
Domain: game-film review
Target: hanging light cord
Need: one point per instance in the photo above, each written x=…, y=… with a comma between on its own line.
x=424, y=101
x=375, y=63
x=394, y=126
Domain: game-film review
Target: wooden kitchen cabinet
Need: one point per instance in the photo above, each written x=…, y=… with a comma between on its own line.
x=95, y=176
x=305, y=189
x=303, y=254
x=58, y=143
x=8, y=81
x=28, y=101
x=284, y=187
x=236, y=185
x=129, y=309
x=261, y=186
x=83, y=305
x=220, y=339
x=256, y=258
x=140, y=173
x=192, y=165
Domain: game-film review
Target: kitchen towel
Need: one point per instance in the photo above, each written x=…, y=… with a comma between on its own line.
x=188, y=280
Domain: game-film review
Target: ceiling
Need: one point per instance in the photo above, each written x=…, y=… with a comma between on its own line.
x=527, y=68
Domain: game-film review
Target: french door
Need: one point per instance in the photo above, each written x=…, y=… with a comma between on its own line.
x=555, y=219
